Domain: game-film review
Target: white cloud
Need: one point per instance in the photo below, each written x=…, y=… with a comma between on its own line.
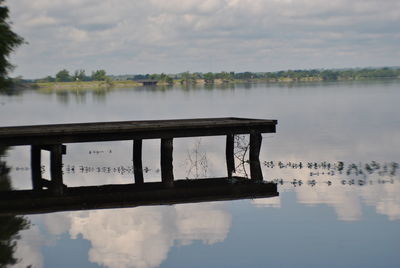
x=77, y=35
x=346, y=200
x=206, y=222
x=142, y=237
x=343, y=199
x=274, y=202
x=188, y=33
x=28, y=250
x=41, y=21
x=386, y=199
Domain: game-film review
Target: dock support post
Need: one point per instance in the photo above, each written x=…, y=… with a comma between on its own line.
x=137, y=161
x=36, y=168
x=56, y=152
x=255, y=146
x=167, y=174
x=229, y=151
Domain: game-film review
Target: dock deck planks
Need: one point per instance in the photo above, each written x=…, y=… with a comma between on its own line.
x=128, y=130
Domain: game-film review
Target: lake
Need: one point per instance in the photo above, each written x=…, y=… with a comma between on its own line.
x=335, y=157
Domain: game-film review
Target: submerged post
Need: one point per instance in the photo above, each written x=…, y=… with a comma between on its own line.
x=167, y=175
x=137, y=161
x=255, y=146
x=36, y=168
x=56, y=152
x=229, y=151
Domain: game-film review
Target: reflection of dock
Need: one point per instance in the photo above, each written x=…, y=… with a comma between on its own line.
x=132, y=195
x=53, y=137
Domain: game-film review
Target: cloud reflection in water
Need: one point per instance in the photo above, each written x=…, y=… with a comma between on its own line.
x=142, y=237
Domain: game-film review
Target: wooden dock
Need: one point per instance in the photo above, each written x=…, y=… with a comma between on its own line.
x=54, y=137
x=131, y=130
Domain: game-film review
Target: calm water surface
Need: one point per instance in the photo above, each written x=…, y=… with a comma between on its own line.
x=335, y=158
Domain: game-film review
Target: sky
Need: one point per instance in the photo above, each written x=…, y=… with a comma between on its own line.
x=154, y=36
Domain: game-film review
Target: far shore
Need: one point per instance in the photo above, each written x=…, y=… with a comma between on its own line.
x=85, y=84
x=95, y=85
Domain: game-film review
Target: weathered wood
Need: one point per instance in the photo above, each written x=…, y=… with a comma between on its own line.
x=167, y=175
x=131, y=195
x=255, y=146
x=46, y=183
x=56, y=175
x=229, y=152
x=128, y=130
x=50, y=147
x=137, y=161
x=36, y=168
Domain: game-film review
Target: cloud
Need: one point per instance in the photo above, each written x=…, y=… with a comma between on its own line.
x=346, y=200
x=41, y=21
x=205, y=35
x=274, y=202
x=386, y=199
x=28, y=250
x=142, y=237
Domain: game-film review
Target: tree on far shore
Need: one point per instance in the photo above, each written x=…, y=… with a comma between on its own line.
x=99, y=75
x=63, y=76
x=80, y=75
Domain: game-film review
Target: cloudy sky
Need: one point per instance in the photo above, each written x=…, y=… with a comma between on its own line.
x=148, y=36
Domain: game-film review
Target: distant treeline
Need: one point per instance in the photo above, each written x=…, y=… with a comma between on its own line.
x=210, y=77
x=297, y=75
x=290, y=75
x=293, y=75
x=79, y=75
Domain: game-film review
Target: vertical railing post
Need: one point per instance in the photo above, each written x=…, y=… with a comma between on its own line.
x=255, y=146
x=56, y=152
x=229, y=152
x=36, y=168
x=137, y=161
x=167, y=175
